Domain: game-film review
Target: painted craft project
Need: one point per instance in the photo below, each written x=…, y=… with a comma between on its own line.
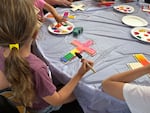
x=80, y=47
x=124, y=8
x=69, y=56
x=76, y=7
x=84, y=46
x=134, y=65
x=61, y=28
x=106, y=3
x=141, y=33
x=65, y=16
x=142, y=59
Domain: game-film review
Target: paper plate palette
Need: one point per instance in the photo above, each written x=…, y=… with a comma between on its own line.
x=124, y=8
x=63, y=28
x=134, y=21
x=141, y=33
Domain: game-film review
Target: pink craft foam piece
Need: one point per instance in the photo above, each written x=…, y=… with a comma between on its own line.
x=66, y=14
x=84, y=46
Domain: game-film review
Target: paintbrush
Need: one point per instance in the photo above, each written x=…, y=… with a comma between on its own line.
x=80, y=57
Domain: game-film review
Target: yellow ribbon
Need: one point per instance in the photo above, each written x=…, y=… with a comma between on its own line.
x=14, y=46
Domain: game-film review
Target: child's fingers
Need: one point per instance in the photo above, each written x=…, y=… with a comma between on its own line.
x=66, y=3
x=91, y=63
x=85, y=62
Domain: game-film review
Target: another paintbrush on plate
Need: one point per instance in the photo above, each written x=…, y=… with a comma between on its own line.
x=80, y=57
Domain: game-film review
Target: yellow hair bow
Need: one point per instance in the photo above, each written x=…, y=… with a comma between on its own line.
x=14, y=46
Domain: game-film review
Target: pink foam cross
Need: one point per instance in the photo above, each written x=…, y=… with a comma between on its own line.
x=84, y=46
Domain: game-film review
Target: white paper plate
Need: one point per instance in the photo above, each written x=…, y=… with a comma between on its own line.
x=65, y=28
x=124, y=8
x=141, y=33
x=134, y=21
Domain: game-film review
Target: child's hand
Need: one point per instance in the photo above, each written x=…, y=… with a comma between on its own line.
x=63, y=2
x=60, y=19
x=84, y=67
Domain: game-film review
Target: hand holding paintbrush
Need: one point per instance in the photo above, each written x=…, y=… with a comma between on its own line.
x=80, y=57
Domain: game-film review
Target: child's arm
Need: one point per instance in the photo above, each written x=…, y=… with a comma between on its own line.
x=59, y=2
x=51, y=9
x=114, y=84
x=65, y=94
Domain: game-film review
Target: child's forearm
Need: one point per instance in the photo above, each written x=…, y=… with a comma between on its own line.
x=67, y=90
x=52, y=2
x=51, y=9
x=114, y=84
x=131, y=75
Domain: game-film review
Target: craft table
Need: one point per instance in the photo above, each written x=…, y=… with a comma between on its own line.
x=114, y=47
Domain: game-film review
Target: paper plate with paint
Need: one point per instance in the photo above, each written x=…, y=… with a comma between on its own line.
x=134, y=21
x=124, y=8
x=61, y=28
x=141, y=33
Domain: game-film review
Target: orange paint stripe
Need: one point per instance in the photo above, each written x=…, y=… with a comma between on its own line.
x=142, y=59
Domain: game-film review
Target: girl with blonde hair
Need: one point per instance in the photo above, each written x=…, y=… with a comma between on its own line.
x=26, y=74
